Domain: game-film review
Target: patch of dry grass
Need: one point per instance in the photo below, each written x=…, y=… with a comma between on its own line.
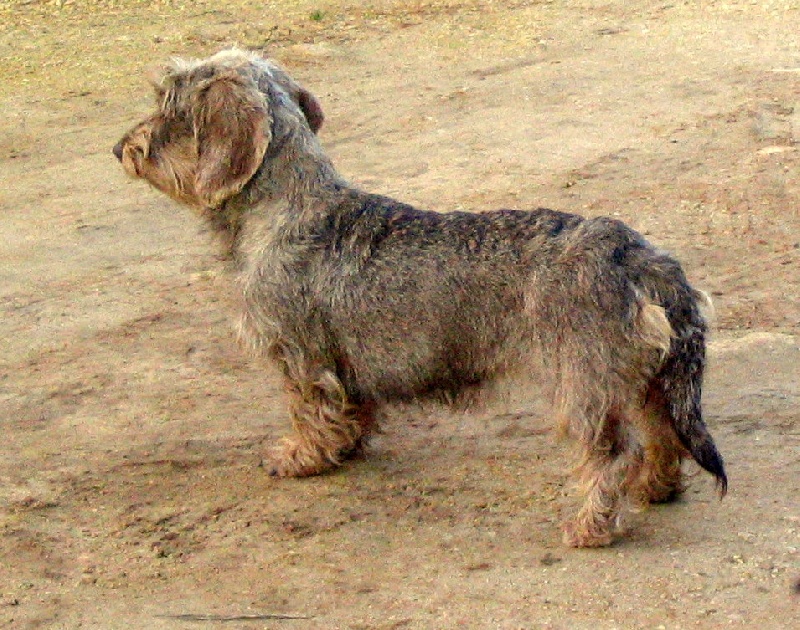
x=50, y=48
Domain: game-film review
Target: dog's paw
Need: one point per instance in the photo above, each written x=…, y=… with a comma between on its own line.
x=578, y=534
x=661, y=488
x=295, y=459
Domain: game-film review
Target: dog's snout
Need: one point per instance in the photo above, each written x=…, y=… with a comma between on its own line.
x=117, y=150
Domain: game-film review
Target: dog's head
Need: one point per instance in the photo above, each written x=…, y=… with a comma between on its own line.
x=214, y=122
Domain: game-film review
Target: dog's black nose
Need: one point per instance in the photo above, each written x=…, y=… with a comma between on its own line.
x=118, y=150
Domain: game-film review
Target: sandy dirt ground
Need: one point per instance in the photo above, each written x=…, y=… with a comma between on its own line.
x=132, y=487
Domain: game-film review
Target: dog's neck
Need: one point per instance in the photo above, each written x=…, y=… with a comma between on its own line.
x=292, y=188
x=297, y=170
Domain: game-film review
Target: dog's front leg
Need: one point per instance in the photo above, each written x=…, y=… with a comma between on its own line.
x=328, y=428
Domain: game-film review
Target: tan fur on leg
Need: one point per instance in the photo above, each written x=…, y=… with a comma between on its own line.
x=598, y=519
x=607, y=471
x=327, y=428
x=661, y=478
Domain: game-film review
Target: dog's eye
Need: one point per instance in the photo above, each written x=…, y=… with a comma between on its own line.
x=173, y=129
x=160, y=138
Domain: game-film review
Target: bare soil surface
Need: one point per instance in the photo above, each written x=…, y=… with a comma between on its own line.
x=132, y=490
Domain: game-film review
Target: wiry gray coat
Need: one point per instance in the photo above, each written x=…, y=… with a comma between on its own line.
x=364, y=300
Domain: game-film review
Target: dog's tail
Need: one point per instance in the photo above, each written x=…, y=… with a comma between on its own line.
x=680, y=377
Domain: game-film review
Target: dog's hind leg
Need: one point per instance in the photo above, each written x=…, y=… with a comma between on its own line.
x=661, y=478
x=610, y=461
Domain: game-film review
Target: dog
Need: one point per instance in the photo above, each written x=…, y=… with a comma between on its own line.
x=362, y=300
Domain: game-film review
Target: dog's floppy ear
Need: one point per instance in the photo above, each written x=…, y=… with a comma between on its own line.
x=232, y=128
x=306, y=101
x=311, y=108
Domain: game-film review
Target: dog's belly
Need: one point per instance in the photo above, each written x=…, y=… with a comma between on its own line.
x=406, y=336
